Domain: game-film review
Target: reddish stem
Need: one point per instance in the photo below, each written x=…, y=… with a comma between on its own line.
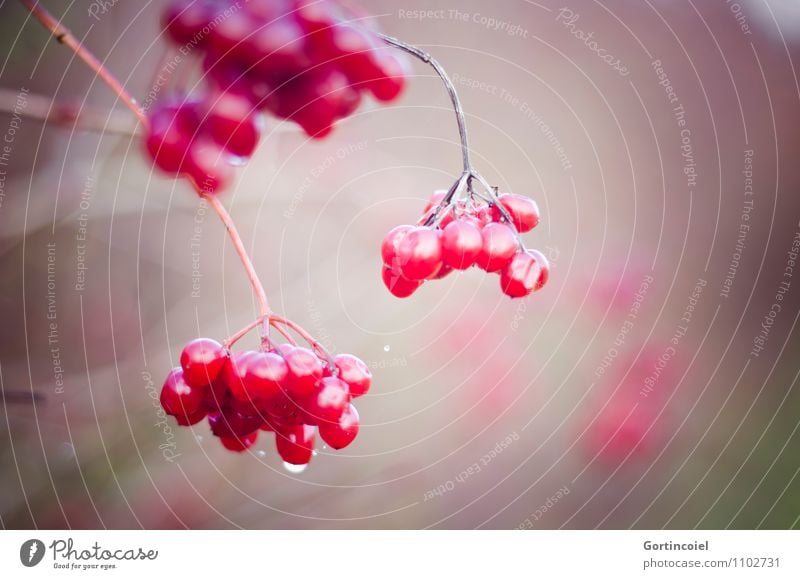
x=240, y=334
x=315, y=345
x=261, y=296
x=64, y=36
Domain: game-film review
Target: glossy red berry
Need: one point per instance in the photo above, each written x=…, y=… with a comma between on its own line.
x=184, y=21
x=295, y=444
x=230, y=120
x=391, y=243
x=499, y=244
x=236, y=374
x=329, y=399
x=521, y=276
x=207, y=167
x=419, y=253
x=201, y=360
x=169, y=136
x=232, y=424
x=304, y=370
x=180, y=399
x=399, y=286
x=218, y=395
x=461, y=244
x=191, y=419
x=343, y=432
x=544, y=266
x=355, y=372
x=266, y=374
x=239, y=443
x=390, y=79
x=443, y=272
x=524, y=211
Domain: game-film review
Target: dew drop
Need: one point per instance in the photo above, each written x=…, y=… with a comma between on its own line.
x=261, y=454
x=294, y=468
x=67, y=451
x=314, y=452
x=237, y=161
x=386, y=348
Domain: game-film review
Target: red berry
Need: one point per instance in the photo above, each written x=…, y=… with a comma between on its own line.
x=523, y=211
x=278, y=48
x=443, y=272
x=184, y=21
x=420, y=253
x=207, y=167
x=520, y=277
x=305, y=370
x=228, y=35
x=201, y=360
x=231, y=123
x=217, y=394
x=498, y=247
x=391, y=78
x=231, y=423
x=236, y=374
x=190, y=419
x=391, y=243
x=180, y=399
x=239, y=443
x=169, y=136
x=355, y=372
x=328, y=400
x=544, y=266
x=295, y=444
x=343, y=432
x=461, y=244
x=399, y=286
x=267, y=373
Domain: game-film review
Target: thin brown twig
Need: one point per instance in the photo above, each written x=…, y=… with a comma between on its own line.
x=63, y=35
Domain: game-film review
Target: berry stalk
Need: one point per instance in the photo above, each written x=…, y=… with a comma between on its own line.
x=451, y=90
x=238, y=246
x=469, y=174
x=63, y=35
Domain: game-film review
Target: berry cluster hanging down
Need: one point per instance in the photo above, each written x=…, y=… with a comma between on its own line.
x=308, y=61
x=285, y=389
x=456, y=235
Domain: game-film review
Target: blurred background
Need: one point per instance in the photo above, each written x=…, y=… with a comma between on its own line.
x=652, y=383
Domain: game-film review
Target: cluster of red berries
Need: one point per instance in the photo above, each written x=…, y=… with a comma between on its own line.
x=288, y=390
x=302, y=60
x=456, y=236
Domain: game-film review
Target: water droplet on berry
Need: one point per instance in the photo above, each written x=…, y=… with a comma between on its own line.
x=294, y=468
x=386, y=348
x=67, y=451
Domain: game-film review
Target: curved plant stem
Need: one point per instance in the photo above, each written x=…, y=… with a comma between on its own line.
x=315, y=345
x=65, y=37
x=233, y=233
x=240, y=334
x=451, y=90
